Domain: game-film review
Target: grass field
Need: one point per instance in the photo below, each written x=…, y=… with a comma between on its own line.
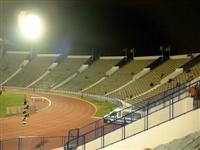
x=103, y=108
x=8, y=99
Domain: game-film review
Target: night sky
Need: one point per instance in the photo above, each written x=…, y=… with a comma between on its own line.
x=81, y=26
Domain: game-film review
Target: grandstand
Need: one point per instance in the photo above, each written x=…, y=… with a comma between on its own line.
x=189, y=142
x=94, y=72
x=10, y=62
x=149, y=80
x=121, y=77
x=64, y=69
x=175, y=82
x=36, y=67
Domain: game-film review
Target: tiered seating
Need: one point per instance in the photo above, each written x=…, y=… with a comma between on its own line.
x=9, y=63
x=120, y=78
x=32, y=71
x=189, y=142
x=182, y=78
x=90, y=76
x=149, y=80
x=60, y=73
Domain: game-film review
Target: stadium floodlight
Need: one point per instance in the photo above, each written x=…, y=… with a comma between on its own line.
x=30, y=25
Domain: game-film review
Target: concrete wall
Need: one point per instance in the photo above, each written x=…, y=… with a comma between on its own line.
x=161, y=134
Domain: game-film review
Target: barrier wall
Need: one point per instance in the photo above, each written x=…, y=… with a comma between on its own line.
x=161, y=134
x=33, y=142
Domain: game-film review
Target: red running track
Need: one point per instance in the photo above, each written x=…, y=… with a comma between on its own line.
x=64, y=113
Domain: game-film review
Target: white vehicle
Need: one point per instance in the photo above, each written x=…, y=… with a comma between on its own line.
x=117, y=116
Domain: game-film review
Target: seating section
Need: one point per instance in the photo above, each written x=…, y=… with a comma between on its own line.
x=137, y=91
x=149, y=80
x=9, y=63
x=32, y=71
x=90, y=76
x=60, y=73
x=121, y=77
x=182, y=78
x=189, y=142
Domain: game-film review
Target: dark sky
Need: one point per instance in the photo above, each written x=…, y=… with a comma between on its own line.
x=80, y=26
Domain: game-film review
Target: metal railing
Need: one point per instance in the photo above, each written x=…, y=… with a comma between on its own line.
x=154, y=100
x=169, y=106
x=33, y=142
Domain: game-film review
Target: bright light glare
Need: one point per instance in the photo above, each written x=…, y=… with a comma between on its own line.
x=30, y=25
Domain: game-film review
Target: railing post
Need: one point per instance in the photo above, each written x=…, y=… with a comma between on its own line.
x=42, y=143
x=62, y=141
x=147, y=117
x=67, y=146
x=95, y=124
x=84, y=142
x=170, y=109
x=132, y=115
x=19, y=143
x=103, y=142
x=124, y=133
x=1, y=145
x=172, y=105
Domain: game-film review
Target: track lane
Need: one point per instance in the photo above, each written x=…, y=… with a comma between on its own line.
x=65, y=113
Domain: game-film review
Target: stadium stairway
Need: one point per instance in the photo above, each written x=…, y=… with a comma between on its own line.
x=11, y=63
x=108, y=74
x=33, y=70
x=179, y=76
x=135, y=77
x=147, y=69
x=174, y=74
x=80, y=70
x=123, y=76
x=51, y=67
x=67, y=65
x=92, y=74
x=150, y=80
x=194, y=61
x=24, y=63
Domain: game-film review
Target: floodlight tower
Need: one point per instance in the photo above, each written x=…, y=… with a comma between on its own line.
x=31, y=27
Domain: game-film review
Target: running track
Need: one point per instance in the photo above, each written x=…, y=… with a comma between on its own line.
x=65, y=113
